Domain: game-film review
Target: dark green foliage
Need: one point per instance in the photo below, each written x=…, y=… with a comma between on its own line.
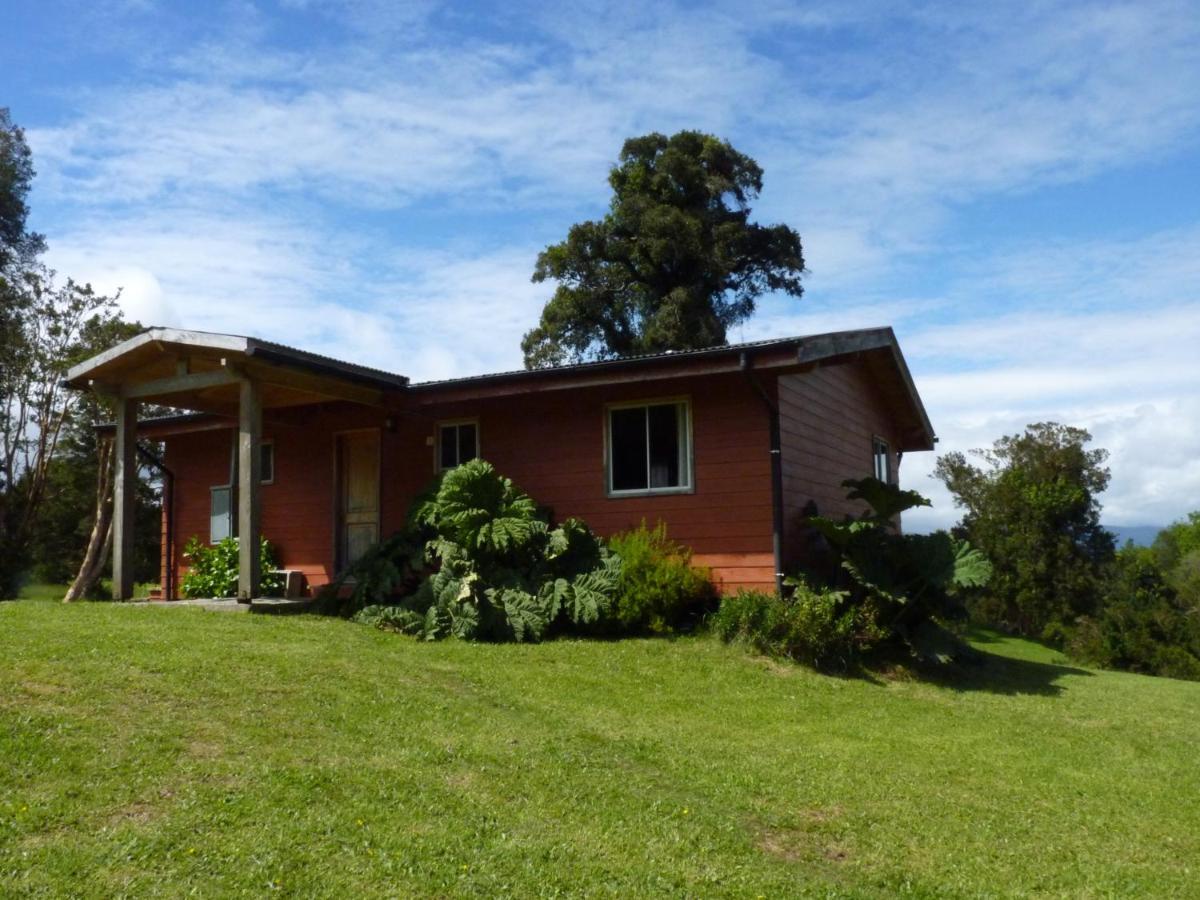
x=45, y=327
x=1033, y=510
x=908, y=585
x=884, y=595
x=16, y=180
x=497, y=570
x=819, y=628
x=392, y=618
x=1145, y=624
x=659, y=590
x=213, y=569
x=1176, y=552
x=673, y=265
x=389, y=568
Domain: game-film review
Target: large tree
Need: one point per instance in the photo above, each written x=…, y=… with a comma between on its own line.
x=673, y=265
x=1033, y=509
x=45, y=326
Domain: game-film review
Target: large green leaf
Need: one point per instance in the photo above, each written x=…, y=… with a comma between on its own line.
x=886, y=500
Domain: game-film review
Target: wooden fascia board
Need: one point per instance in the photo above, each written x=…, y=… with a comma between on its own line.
x=78, y=375
x=521, y=385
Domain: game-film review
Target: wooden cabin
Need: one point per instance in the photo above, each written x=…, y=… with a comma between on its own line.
x=726, y=445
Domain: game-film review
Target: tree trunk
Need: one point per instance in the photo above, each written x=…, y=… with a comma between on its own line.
x=101, y=538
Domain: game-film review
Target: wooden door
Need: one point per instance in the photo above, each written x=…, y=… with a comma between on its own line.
x=358, y=494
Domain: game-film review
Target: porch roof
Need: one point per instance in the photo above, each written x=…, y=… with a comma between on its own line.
x=202, y=371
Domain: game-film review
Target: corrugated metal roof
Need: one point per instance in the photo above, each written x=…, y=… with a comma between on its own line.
x=615, y=362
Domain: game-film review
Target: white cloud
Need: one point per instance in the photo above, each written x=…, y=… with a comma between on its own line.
x=195, y=187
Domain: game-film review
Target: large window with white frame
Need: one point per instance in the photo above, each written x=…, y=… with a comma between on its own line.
x=457, y=443
x=649, y=447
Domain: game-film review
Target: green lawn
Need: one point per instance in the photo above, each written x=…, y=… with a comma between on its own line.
x=150, y=751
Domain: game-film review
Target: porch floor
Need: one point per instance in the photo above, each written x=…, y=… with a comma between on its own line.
x=276, y=605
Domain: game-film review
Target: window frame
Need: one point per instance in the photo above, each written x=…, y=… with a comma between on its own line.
x=228, y=489
x=689, y=457
x=268, y=443
x=877, y=443
x=437, y=443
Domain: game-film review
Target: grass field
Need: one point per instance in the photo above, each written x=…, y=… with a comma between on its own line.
x=167, y=752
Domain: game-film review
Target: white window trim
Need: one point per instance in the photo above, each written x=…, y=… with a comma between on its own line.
x=689, y=454
x=270, y=442
x=437, y=443
x=887, y=449
x=231, y=513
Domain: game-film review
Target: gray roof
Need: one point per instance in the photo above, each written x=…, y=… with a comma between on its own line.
x=234, y=343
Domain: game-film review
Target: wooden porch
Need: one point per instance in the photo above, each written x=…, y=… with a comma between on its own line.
x=227, y=375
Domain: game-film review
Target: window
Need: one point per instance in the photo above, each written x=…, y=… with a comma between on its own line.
x=882, y=455
x=458, y=442
x=649, y=448
x=266, y=464
x=220, y=514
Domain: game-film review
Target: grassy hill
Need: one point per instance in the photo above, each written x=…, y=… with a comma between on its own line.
x=152, y=751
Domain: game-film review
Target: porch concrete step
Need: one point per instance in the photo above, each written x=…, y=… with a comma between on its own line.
x=281, y=605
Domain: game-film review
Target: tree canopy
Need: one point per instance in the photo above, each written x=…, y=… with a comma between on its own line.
x=16, y=178
x=45, y=327
x=1033, y=509
x=674, y=263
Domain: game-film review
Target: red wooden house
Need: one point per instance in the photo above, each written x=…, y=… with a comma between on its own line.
x=323, y=457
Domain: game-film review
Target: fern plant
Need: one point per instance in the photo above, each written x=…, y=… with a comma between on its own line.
x=493, y=566
x=908, y=585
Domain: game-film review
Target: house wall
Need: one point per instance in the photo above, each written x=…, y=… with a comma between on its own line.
x=828, y=417
x=551, y=444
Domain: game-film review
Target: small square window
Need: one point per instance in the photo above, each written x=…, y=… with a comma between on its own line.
x=458, y=442
x=882, y=458
x=649, y=448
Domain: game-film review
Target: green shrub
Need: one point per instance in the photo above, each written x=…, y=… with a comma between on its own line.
x=909, y=585
x=213, y=569
x=1143, y=624
x=386, y=571
x=814, y=627
x=659, y=590
x=391, y=618
x=493, y=567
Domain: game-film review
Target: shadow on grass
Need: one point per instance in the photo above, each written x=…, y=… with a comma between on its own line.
x=994, y=674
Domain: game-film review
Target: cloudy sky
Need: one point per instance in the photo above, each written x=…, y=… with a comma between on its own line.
x=1015, y=188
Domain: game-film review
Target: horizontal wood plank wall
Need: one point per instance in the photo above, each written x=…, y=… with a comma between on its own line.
x=298, y=506
x=828, y=417
x=552, y=446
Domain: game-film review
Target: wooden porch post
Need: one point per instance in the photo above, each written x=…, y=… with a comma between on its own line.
x=249, y=476
x=124, y=495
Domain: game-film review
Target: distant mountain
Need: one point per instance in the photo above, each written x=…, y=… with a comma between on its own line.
x=1142, y=535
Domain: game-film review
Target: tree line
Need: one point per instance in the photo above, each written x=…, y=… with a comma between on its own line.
x=1032, y=504
x=52, y=490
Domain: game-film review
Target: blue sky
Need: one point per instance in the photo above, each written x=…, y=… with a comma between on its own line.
x=1014, y=187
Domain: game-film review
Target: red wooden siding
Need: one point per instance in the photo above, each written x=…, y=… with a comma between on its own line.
x=551, y=444
x=828, y=417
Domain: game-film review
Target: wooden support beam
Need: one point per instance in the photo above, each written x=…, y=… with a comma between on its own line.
x=319, y=385
x=178, y=384
x=124, y=494
x=249, y=509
